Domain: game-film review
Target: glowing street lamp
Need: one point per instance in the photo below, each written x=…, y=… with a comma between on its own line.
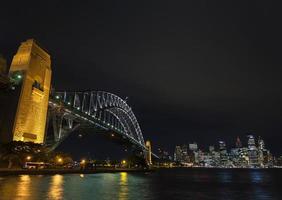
x=83, y=161
x=123, y=162
x=28, y=158
x=60, y=160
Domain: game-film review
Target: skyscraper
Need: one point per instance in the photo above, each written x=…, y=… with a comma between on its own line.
x=223, y=153
x=193, y=147
x=252, y=151
x=238, y=143
x=177, y=153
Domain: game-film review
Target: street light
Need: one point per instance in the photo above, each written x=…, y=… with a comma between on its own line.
x=28, y=158
x=60, y=160
x=123, y=162
x=83, y=161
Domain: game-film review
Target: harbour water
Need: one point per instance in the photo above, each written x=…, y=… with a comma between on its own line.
x=163, y=184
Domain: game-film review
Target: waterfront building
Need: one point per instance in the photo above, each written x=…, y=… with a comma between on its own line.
x=262, y=153
x=238, y=143
x=211, y=149
x=252, y=151
x=177, y=153
x=193, y=147
x=223, y=153
x=164, y=155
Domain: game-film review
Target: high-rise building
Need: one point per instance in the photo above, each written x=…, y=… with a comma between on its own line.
x=261, y=145
x=238, y=143
x=193, y=147
x=185, y=156
x=211, y=149
x=252, y=151
x=177, y=153
x=223, y=153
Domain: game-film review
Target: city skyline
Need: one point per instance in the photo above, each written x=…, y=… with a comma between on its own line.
x=253, y=154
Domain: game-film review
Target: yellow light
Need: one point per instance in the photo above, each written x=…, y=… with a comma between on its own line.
x=28, y=157
x=83, y=161
x=123, y=162
x=60, y=160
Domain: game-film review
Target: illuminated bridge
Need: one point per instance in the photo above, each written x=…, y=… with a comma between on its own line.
x=31, y=104
x=96, y=110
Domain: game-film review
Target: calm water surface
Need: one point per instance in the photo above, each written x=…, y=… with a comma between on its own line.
x=163, y=184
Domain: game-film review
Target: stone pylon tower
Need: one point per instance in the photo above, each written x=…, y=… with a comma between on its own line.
x=149, y=153
x=31, y=66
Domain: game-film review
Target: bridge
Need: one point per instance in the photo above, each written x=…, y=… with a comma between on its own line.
x=38, y=107
x=96, y=110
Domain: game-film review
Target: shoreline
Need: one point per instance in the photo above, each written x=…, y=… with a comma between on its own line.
x=9, y=172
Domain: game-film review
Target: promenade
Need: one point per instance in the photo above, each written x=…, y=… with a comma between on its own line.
x=8, y=172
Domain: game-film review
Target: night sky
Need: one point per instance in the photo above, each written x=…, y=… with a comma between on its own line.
x=192, y=70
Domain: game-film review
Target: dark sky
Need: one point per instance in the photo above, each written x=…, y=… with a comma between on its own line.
x=193, y=70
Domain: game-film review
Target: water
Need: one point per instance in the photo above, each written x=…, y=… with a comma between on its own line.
x=164, y=184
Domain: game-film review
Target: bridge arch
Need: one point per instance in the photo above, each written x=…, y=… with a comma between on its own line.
x=97, y=109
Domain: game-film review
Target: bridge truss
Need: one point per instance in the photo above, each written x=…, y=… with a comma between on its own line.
x=99, y=110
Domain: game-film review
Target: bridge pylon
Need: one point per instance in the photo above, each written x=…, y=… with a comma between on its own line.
x=149, y=153
x=31, y=70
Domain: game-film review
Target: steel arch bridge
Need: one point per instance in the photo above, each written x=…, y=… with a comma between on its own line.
x=97, y=110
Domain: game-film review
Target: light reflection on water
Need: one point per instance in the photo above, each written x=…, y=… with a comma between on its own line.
x=123, y=190
x=56, y=187
x=171, y=184
x=23, y=187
